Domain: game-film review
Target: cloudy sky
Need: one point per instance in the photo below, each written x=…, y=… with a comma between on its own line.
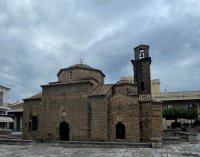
x=38, y=37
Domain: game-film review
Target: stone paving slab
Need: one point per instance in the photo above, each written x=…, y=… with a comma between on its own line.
x=54, y=150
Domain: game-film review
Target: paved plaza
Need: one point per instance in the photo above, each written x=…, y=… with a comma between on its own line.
x=54, y=150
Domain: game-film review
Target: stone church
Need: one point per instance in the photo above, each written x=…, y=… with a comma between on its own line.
x=80, y=107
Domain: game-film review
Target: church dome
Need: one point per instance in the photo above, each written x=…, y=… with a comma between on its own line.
x=84, y=66
x=78, y=72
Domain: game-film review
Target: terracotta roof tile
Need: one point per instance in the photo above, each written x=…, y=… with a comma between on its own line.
x=16, y=105
x=124, y=82
x=36, y=96
x=84, y=66
x=101, y=90
x=80, y=66
x=68, y=82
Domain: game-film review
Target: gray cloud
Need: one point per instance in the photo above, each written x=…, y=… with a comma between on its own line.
x=37, y=38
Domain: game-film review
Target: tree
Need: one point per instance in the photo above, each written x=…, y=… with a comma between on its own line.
x=191, y=113
x=180, y=112
x=169, y=114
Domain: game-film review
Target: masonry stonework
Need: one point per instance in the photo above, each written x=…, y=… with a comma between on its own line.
x=80, y=107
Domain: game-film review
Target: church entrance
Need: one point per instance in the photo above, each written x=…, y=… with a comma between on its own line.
x=64, y=131
x=120, y=131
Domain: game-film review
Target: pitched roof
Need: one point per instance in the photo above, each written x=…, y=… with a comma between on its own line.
x=16, y=105
x=36, y=96
x=141, y=45
x=101, y=90
x=124, y=82
x=68, y=82
x=4, y=87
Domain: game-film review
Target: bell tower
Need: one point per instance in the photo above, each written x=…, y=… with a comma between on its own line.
x=142, y=78
x=141, y=64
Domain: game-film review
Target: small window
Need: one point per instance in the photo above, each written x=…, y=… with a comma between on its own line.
x=142, y=86
x=70, y=75
x=119, y=117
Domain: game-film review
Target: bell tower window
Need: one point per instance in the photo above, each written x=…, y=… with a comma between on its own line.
x=141, y=53
x=142, y=86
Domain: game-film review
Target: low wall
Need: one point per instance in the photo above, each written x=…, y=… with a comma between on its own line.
x=5, y=131
x=171, y=140
x=170, y=132
x=187, y=136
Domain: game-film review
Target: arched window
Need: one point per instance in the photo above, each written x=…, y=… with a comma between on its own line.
x=34, y=122
x=120, y=131
x=142, y=86
x=141, y=53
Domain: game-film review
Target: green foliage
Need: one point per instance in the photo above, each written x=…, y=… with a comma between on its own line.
x=169, y=114
x=192, y=113
x=196, y=123
x=181, y=112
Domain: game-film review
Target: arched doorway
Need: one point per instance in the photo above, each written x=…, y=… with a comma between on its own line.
x=64, y=131
x=120, y=131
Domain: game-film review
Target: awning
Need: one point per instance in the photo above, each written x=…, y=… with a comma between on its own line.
x=6, y=119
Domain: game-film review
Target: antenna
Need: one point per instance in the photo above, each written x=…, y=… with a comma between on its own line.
x=81, y=60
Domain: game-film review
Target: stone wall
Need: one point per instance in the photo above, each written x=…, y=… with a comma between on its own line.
x=72, y=111
x=157, y=130
x=125, y=110
x=92, y=118
x=99, y=118
x=32, y=108
x=127, y=89
x=145, y=121
x=68, y=103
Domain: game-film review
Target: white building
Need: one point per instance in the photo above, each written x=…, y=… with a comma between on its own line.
x=4, y=95
x=5, y=120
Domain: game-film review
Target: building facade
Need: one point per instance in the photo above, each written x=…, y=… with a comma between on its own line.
x=16, y=112
x=5, y=120
x=179, y=99
x=80, y=107
x=4, y=95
